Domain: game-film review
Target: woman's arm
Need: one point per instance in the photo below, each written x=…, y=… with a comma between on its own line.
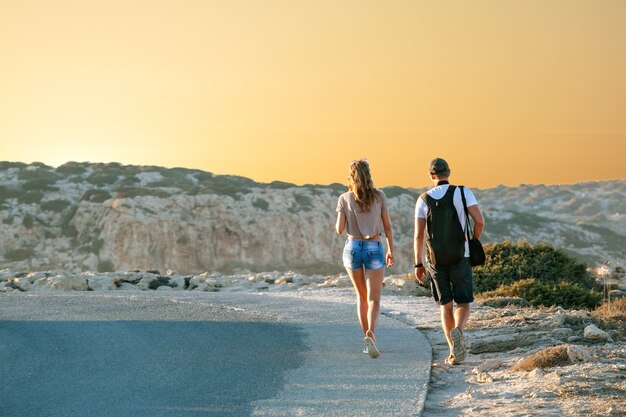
x=340, y=225
x=389, y=237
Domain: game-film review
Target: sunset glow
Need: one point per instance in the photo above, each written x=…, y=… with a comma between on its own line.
x=507, y=92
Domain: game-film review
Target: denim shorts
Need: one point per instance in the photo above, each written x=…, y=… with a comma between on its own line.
x=363, y=253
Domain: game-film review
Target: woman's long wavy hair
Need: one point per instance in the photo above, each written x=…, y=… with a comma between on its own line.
x=361, y=184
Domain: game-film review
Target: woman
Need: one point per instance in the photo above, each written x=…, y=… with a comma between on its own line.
x=362, y=212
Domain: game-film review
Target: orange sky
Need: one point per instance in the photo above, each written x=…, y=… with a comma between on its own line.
x=507, y=91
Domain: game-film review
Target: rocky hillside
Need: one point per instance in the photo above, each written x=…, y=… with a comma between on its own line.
x=105, y=217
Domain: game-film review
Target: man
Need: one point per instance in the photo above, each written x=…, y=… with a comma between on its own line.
x=441, y=210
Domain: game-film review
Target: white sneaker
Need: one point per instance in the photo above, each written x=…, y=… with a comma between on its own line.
x=372, y=350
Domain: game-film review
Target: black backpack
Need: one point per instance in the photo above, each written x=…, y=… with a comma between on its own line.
x=445, y=240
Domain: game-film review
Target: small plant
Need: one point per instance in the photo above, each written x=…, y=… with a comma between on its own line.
x=71, y=168
x=40, y=184
x=546, y=358
x=7, y=193
x=95, y=196
x=304, y=201
x=106, y=266
x=30, y=197
x=280, y=185
x=37, y=174
x=20, y=254
x=28, y=221
x=56, y=206
x=103, y=177
x=260, y=204
x=5, y=165
x=130, y=192
x=391, y=192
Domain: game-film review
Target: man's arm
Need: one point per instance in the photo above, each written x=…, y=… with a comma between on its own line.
x=418, y=248
x=479, y=221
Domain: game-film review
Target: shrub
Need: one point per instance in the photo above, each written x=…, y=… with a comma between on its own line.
x=20, y=254
x=129, y=180
x=56, y=206
x=30, y=197
x=280, y=185
x=37, y=174
x=261, y=204
x=7, y=193
x=28, y=221
x=103, y=177
x=394, y=191
x=71, y=168
x=509, y=262
x=613, y=315
x=130, y=192
x=106, y=266
x=337, y=187
x=67, y=228
x=5, y=165
x=224, y=184
x=546, y=358
x=40, y=184
x=304, y=201
x=96, y=196
x=537, y=293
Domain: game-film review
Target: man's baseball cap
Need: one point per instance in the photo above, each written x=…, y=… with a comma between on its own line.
x=438, y=166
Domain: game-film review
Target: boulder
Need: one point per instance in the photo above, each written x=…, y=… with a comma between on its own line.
x=61, y=283
x=592, y=332
x=501, y=343
x=488, y=366
x=101, y=283
x=578, y=353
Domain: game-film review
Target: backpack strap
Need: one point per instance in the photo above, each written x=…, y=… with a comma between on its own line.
x=467, y=222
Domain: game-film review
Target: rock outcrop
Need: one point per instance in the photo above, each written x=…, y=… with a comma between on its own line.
x=107, y=217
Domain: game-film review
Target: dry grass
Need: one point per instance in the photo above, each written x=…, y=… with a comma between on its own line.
x=613, y=311
x=612, y=316
x=546, y=358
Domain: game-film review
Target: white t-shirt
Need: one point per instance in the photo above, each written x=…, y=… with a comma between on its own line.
x=421, y=208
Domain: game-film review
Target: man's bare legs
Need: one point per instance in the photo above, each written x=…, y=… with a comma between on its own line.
x=451, y=318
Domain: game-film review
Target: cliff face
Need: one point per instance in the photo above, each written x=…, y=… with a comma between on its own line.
x=111, y=217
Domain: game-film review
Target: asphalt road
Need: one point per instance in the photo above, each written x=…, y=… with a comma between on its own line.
x=209, y=354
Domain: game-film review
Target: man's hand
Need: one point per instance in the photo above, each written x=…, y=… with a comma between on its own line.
x=419, y=274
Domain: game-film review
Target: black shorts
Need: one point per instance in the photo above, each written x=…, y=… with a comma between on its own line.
x=449, y=283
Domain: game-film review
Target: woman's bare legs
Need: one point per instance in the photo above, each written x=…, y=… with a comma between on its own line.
x=367, y=286
x=360, y=288
x=374, y=283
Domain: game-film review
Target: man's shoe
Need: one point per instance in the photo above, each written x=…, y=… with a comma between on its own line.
x=458, y=344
